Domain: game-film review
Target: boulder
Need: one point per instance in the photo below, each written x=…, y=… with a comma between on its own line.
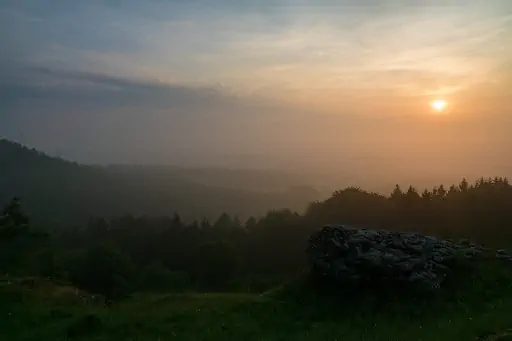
x=342, y=253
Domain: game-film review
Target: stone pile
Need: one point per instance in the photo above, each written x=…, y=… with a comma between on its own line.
x=345, y=253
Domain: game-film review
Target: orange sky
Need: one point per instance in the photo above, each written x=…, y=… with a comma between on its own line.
x=153, y=81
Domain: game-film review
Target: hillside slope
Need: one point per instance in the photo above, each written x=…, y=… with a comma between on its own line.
x=56, y=191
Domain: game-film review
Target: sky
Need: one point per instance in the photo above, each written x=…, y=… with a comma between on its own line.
x=268, y=82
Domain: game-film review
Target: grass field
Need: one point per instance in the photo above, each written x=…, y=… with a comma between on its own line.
x=469, y=310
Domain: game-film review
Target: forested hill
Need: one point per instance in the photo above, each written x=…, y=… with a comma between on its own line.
x=61, y=192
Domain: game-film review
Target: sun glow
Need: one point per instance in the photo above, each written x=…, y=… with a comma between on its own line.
x=438, y=105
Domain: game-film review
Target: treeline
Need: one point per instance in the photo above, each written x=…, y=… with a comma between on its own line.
x=117, y=256
x=481, y=211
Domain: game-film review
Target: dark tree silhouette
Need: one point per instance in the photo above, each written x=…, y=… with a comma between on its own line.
x=13, y=221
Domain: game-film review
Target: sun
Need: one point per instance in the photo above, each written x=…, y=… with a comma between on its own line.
x=438, y=105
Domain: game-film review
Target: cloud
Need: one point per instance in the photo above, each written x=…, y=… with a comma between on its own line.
x=273, y=44
x=100, y=118
x=98, y=76
x=104, y=91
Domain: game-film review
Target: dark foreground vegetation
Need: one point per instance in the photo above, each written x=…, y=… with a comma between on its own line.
x=475, y=308
x=145, y=278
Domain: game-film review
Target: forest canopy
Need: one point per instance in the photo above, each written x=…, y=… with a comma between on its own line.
x=131, y=253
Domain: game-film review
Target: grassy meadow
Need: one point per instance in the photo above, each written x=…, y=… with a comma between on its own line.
x=475, y=306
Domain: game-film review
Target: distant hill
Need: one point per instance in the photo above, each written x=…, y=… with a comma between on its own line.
x=58, y=192
x=259, y=180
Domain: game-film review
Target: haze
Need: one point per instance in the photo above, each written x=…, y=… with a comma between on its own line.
x=325, y=87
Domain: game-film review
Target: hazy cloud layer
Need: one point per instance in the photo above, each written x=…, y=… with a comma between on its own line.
x=152, y=81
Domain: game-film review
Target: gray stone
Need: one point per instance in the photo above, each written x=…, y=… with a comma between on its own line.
x=343, y=253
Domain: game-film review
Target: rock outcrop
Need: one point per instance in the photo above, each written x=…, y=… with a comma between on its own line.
x=344, y=253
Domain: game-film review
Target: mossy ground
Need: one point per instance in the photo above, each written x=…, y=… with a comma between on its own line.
x=474, y=309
